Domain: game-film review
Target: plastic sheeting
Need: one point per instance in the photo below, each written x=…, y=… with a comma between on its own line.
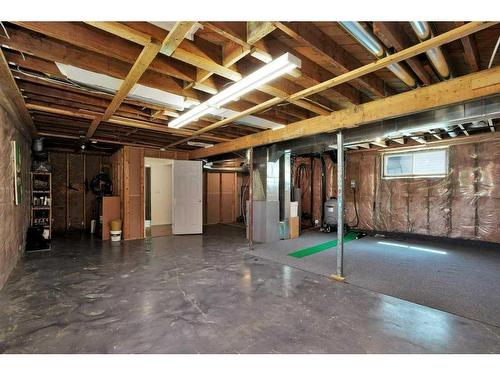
x=464, y=204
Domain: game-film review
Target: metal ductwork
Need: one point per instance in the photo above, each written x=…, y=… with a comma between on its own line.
x=210, y=168
x=443, y=118
x=372, y=44
x=424, y=32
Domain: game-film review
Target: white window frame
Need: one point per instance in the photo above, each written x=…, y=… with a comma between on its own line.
x=383, y=170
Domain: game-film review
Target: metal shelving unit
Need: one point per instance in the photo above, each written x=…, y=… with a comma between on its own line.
x=41, y=201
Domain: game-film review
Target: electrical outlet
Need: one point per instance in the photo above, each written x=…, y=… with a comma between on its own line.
x=353, y=184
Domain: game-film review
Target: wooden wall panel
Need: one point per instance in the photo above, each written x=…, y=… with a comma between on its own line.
x=76, y=191
x=72, y=204
x=133, y=193
x=92, y=168
x=212, y=205
x=228, y=198
x=59, y=191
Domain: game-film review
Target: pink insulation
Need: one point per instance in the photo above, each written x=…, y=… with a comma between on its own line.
x=464, y=204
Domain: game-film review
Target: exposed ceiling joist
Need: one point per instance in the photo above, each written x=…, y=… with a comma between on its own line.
x=256, y=30
x=470, y=51
x=149, y=52
x=454, y=91
x=339, y=62
x=372, y=67
x=13, y=97
x=393, y=36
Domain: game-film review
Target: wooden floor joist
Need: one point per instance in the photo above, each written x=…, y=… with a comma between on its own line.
x=415, y=50
x=142, y=63
x=15, y=97
x=457, y=90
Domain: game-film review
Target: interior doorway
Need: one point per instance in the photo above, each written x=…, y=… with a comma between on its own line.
x=158, y=197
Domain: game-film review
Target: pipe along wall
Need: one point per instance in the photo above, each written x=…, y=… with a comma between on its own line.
x=464, y=204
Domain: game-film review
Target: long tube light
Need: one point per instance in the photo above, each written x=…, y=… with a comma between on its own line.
x=283, y=64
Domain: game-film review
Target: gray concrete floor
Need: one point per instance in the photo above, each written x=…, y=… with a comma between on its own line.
x=205, y=294
x=453, y=277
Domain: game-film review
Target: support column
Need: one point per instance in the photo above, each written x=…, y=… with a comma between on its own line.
x=340, y=208
x=250, y=198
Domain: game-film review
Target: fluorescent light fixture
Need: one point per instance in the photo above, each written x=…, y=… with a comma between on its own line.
x=280, y=126
x=413, y=248
x=283, y=64
x=200, y=144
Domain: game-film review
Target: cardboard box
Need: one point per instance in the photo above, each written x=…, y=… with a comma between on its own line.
x=294, y=227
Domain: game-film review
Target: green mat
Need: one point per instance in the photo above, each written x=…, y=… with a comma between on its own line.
x=301, y=253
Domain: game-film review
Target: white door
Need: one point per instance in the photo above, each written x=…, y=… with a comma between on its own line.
x=187, y=193
x=161, y=194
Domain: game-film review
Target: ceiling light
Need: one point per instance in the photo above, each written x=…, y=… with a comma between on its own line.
x=267, y=73
x=280, y=126
x=200, y=144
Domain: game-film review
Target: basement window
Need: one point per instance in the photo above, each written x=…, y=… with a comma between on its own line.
x=415, y=164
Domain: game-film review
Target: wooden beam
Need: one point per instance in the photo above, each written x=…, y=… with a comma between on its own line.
x=454, y=91
x=54, y=50
x=123, y=31
x=337, y=58
x=256, y=30
x=12, y=98
x=175, y=37
x=386, y=61
x=415, y=50
x=147, y=55
x=149, y=52
x=470, y=51
x=310, y=72
x=248, y=112
x=83, y=36
x=393, y=36
x=203, y=59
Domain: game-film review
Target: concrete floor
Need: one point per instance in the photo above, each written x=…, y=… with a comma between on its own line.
x=462, y=279
x=205, y=294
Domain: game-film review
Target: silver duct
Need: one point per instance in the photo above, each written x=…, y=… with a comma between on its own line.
x=209, y=168
x=423, y=31
x=371, y=43
x=443, y=118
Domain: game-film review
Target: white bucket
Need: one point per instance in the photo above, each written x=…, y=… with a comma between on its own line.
x=116, y=235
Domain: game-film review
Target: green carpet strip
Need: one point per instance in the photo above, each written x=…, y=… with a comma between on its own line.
x=349, y=236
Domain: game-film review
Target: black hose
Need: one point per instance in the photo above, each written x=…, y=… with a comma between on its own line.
x=323, y=187
x=355, y=207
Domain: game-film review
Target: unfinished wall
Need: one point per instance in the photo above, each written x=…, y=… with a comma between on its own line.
x=14, y=219
x=72, y=203
x=221, y=197
x=309, y=180
x=464, y=204
x=128, y=183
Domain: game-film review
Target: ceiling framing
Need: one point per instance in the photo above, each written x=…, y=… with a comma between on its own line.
x=337, y=76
